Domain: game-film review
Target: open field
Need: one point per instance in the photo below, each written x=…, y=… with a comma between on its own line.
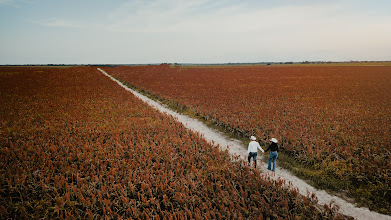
x=293, y=64
x=333, y=122
x=75, y=145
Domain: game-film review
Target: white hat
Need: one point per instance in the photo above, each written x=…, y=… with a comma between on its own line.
x=253, y=138
x=273, y=140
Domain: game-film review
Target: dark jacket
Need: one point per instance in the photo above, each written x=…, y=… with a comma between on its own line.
x=272, y=147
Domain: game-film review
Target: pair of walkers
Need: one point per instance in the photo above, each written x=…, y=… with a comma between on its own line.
x=253, y=147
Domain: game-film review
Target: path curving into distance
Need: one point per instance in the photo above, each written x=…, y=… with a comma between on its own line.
x=235, y=147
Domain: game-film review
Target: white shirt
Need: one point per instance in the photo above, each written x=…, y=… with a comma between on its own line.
x=253, y=146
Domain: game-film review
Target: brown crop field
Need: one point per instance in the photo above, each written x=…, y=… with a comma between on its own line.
x=333, y=121
x=74, y=145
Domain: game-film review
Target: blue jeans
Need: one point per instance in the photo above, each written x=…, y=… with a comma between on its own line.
x=273, y=156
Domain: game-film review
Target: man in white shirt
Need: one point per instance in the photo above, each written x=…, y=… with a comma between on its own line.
x=253, y=147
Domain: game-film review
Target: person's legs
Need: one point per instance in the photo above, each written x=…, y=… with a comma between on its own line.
x=270, y=161
x=254, y=156
x=275, y=155
x=255, y=160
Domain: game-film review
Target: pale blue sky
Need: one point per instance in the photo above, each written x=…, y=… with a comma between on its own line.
x=183, y=31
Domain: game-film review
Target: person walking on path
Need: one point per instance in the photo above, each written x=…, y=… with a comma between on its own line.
x=253, y=147
x=273, y=147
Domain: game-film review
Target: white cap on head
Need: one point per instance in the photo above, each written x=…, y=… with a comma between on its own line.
x=273, y=140
x=253, y=138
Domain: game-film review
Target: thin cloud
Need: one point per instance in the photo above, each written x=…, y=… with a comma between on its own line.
x=207, y=16
x=161, y=16
x=306, y=26
x=59, y=23
x=6, y=2
x=15, y=3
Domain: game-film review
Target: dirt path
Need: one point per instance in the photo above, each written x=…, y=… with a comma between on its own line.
x=235, y=147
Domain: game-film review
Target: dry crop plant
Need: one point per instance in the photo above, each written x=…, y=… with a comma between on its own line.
x=73, y=144
x=334, y=120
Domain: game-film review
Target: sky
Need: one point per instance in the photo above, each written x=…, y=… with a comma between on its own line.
x=185, y=31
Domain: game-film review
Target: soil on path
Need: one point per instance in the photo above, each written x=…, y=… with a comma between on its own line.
x=235, y=147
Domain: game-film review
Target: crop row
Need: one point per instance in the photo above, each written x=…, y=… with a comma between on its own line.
x=336, y=119
x=73, y=144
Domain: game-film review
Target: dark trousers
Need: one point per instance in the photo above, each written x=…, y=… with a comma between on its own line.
x=254, y=156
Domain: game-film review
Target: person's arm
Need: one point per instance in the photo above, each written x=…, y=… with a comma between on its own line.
x=267, y=149
x=260, y=148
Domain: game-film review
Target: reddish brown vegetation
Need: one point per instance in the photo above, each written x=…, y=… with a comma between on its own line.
x=73, y=144
x=336, y=119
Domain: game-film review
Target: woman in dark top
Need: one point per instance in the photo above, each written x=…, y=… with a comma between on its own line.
x=273, y=147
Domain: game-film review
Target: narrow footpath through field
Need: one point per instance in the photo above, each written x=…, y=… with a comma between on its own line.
x=235, y=147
